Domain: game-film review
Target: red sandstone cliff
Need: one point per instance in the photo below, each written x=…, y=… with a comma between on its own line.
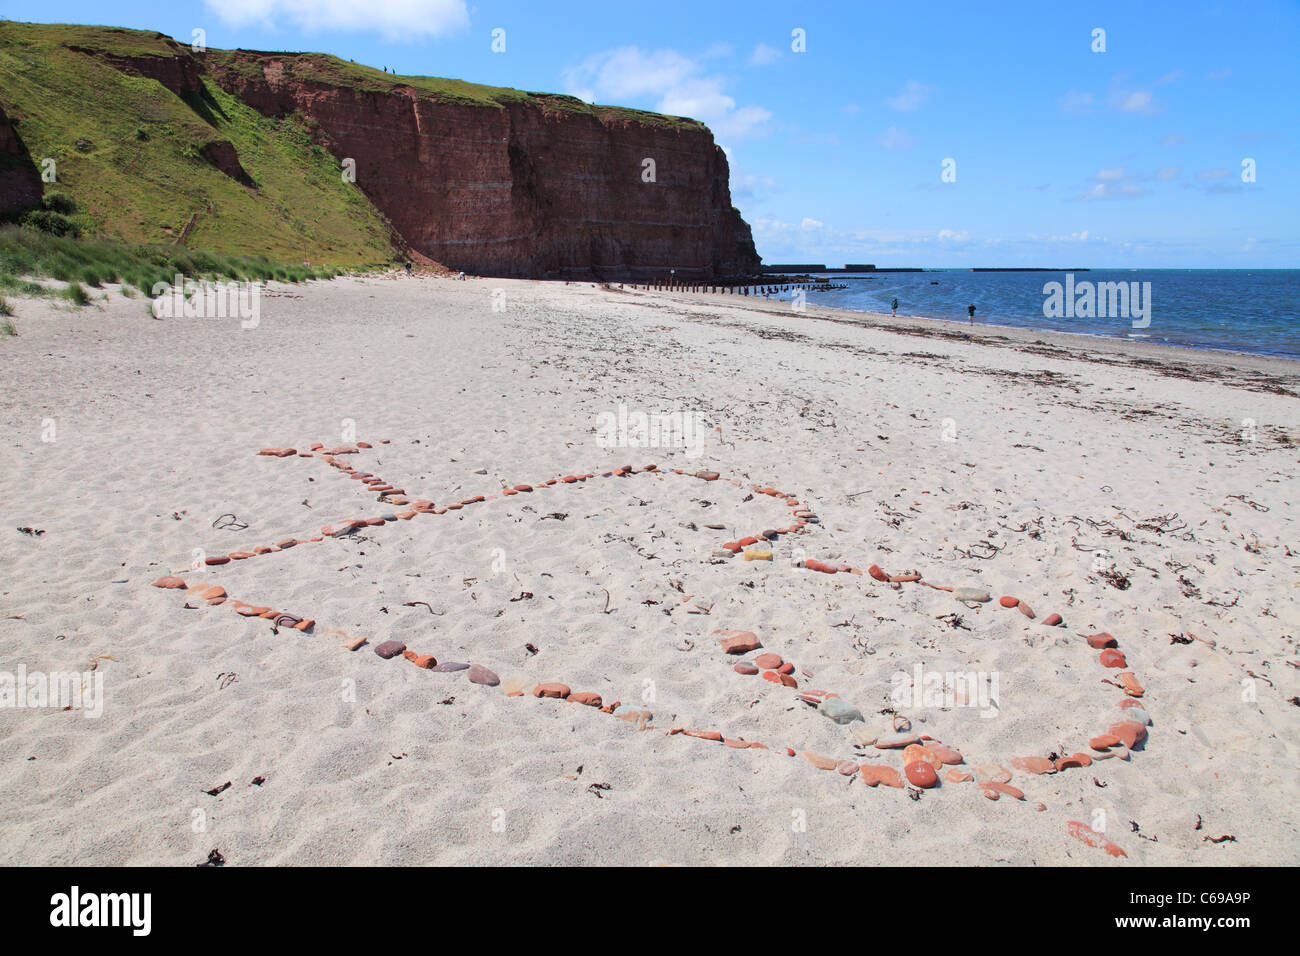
x=527, y=188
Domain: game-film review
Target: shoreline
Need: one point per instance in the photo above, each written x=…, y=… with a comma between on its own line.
x=1101, y=346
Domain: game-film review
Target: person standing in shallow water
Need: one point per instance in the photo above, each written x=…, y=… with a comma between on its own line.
x=893, y=307
x=970, y=310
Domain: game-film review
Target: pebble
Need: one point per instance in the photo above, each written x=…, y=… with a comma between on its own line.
x=447, y=667
x=896, y=741
x=1085, y=834
x=1138, y=714
x=552, y=689
x=1052, y=620
x=586, y=697
x=1008, y=601
x=957, y=775
x=1010, y=791
x=847, y=767
x=747, y=669
x=738, y=642
x=1130, y=732
x=971, y=594
x=914, y=752
x=427, y=661
x=479, y=674
x=1033, y=764
x=987, y=773
x=1103, y=741
x=946, y=754
x=818, y=761
x=385, y=650
x=1112, y=658
x=706, y=735
x=1026, y=610
x=876, y=573
x=921, y=774
x=770, y=534
x=768, y=661
x=873, y=775
x=839, y=710
x=169, y=581
x=1074, y=760
x=1131, y=685
x=863, y=736
x=355, y=644
x=786, y=668
x=1098, y=641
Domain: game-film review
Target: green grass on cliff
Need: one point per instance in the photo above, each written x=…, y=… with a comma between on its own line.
x=127, y=151
x=332, y=71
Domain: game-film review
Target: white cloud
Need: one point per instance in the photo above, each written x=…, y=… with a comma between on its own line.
x=1076, y=103
x=910, y=97
x=809, y=225
x=1142, y=102
x=1114, y=191
x=947, y=235
x=1112, y=175
x=764, y=55
x=392, y=19
x=630, y=74
x=895, y=138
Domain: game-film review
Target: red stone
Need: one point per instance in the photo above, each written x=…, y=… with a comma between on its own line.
x=586, y=697
x=1008, y=601
x=1033, y=764
x=818, y=761
x=876, y=573
x=1112, y=658
x=552, y=689
x=1006, y=788
x=921, y=774
x=1085, y=834
x=747, y=669
x=523, y=487
x=1052, y=620
x=1026, y=610
x=1131, y=685
x=704, y=734
x=1104, y=741
x=426, y=661
x=216, y=591
x=738, y=642
x=773, y=676
x=1098, y=641
x=1130, y=732
x=786, y=668
x=873, y=774
x=169, y=581
x=221, y=560
x=768, y=661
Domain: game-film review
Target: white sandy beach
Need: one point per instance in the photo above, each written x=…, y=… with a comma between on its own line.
x=911, y=443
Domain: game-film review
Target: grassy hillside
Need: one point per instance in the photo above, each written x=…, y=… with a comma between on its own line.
x=128, y=152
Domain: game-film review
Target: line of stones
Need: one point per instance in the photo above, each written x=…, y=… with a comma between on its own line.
x=923, y=756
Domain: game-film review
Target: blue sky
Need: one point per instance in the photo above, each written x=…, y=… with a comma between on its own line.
x=1063, y=156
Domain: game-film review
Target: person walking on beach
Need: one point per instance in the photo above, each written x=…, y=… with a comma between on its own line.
x=970, y=310
x=408, y=267
x=893, y=307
